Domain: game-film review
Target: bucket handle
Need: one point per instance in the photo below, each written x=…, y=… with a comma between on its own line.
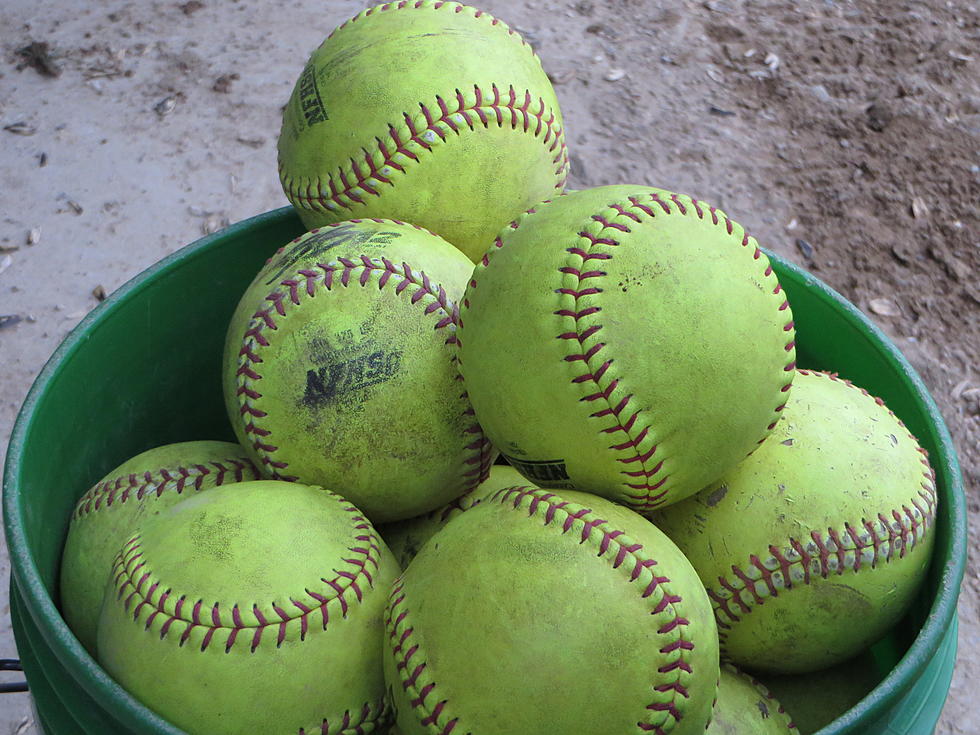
x=12, y=664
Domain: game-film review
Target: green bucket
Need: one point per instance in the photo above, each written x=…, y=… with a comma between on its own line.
x=143, y=369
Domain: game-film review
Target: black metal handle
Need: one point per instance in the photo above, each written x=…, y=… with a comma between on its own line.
x=12, y=664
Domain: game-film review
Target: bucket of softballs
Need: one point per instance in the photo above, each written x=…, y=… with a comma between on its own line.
x=144, y=371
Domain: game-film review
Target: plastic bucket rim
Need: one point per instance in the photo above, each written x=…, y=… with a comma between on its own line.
x=96, y=682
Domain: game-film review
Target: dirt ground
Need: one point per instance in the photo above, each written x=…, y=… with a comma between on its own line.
x=844, y=135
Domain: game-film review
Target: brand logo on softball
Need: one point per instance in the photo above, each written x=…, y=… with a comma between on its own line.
x=309, y=97
x=348, y=375
x=548, y=473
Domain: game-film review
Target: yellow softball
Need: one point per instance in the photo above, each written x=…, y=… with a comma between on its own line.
x=841, y=687
x=141, y=487
x=814, y=547
x=430, y=112
x=252, y=608
x=340, y=369
x=642, y=340
x=535, y=613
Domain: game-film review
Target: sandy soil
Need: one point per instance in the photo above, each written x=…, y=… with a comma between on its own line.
x=845, y=135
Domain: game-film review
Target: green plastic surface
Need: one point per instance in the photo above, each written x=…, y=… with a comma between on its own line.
x=143, y=369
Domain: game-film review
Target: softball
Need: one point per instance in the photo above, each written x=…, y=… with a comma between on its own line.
x=648, y=328
x=746, y=707
x=340, y=369
x=405, y=538
x=105, y=516
x=252, y=608
x=514, y=616
x=813, y=547
x=431, y=112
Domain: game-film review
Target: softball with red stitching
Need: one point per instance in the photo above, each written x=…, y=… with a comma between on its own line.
x=535, y=613
x=252, y=608
x=139, y=488
x=647, y=327
x=746, y=707
x=340, y=369
x=426, y=111
x=814, y=547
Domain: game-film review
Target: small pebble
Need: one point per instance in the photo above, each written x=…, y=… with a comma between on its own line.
x=919, y=208
x=165, y=106
x=20, y=128
x=884, y=307
x=9, y=320
x=821, y=93
x=720, y=112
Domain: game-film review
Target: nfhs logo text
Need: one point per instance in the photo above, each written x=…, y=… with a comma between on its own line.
x=338, y=379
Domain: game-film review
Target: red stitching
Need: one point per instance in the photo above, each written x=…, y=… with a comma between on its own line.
x=652, y=493
x=612, y=538
x=402, y=276
x=128, y=580
x=595, y=247
x=435, y=120
x=404, y=653
x=606, y=224
x=120, y=489
x=371, y=715
x=620, y=209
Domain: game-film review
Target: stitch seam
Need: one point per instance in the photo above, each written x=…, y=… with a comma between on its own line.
x=142, y=596
x=645, y=485
x=416, y=134
x=367, y=720
x=120, y=489
x=616, y=546
x=854, y=547
x=345, y=272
